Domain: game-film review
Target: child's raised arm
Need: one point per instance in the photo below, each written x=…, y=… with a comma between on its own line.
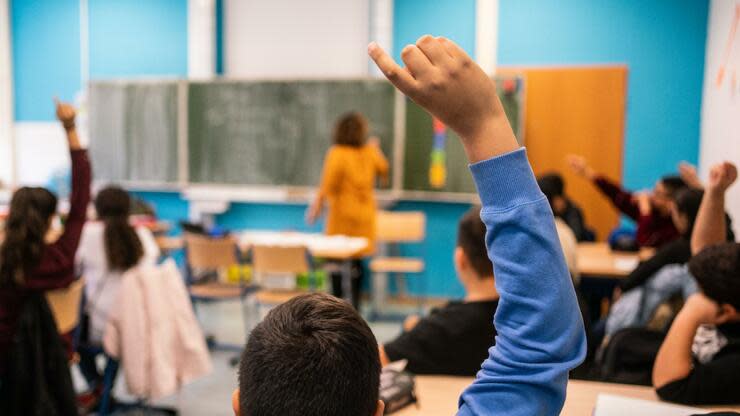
x=540, y=330
x=710, y=227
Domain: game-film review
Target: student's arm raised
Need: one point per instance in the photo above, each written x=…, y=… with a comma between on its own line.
x=674, y=360
x=540, y=330
x=710, y=227
x=621, y=199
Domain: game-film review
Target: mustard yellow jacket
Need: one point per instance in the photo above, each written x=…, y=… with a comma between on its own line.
x=347, y=184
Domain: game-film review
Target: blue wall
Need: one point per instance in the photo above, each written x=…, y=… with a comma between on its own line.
x=127, y=38
x=662, y=42
x=138, y=38
x=454, y=19
x=46, y=55
x=169, y=206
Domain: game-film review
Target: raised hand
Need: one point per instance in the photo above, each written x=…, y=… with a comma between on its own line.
x=579, y=165
x=65, y=113
x=644, y=203
x=374, y=141
x=444, y=80
x=722, y=176
x=687, y=171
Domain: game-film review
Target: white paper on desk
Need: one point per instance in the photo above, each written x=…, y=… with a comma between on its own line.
x=610, y=405
x=626, y=264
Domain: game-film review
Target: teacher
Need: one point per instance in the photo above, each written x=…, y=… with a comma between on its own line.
x=351, y=167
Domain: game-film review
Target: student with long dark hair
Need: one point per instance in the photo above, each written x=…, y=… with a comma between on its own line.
x=28, y=264
x=109, y=247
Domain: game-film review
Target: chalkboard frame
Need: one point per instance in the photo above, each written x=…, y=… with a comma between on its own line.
x=287, y=193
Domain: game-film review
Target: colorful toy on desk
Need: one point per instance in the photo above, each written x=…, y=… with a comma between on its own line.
x=238, y=274
x=437, y=165
x=316, y=280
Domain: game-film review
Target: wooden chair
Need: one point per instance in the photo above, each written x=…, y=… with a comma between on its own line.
x=273, y=263
x=204, y=253
x=393, y=230
x=65, y=305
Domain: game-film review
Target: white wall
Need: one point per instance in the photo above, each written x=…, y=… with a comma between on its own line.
x=720, y=120
x=6, y=98
x=41, y=152
x=296, y=38
x=201, y=38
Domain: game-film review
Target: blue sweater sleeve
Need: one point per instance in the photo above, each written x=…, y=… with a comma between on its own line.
x=540, y=329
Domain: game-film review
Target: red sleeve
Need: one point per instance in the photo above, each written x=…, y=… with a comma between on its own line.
x=56, y=268
x=621, y=198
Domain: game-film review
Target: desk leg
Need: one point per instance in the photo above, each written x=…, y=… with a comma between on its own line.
x=380, y=293
x=346, y=270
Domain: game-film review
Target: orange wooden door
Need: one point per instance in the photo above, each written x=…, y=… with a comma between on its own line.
x=579, y=110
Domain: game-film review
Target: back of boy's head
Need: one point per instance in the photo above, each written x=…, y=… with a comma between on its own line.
x=313, y=355
x=471, y=237
x=717, y=271
x=552, y=185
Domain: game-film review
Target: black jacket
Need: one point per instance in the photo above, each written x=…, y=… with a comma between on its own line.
x=36, y=381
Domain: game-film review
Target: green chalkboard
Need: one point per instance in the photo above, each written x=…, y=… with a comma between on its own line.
x=133, y=131
x=277, y=132
x=419, y=143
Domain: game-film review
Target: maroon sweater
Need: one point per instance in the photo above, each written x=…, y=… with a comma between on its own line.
x=56, y=268
x=653, y=230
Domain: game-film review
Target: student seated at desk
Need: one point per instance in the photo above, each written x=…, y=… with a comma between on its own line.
x=663, y=275
x=651, y=211
x=553, y=186
x=28, y=268
x=315, y=356
x=699, y=361
x=454, y=339
x=108, y=247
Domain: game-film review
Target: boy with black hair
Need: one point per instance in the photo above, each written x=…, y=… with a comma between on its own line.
x=454, y=339
x=540, y=330
x=553, y=186
x=699, y=361
x=313, y=355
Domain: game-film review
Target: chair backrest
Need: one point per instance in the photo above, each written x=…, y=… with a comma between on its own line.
x=65, y=305
x=277, y=259
x=400, y=227
x=210, y=253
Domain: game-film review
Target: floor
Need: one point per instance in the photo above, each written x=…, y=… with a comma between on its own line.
x=212, y=395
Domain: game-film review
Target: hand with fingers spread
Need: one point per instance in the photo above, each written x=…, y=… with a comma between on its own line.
x=443, y=79
x=722, y=176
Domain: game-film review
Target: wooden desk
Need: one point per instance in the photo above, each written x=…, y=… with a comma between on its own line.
x=341, y=248
x=598, y=260
x=319, y=245
x=438, y=395
x=169, y=244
